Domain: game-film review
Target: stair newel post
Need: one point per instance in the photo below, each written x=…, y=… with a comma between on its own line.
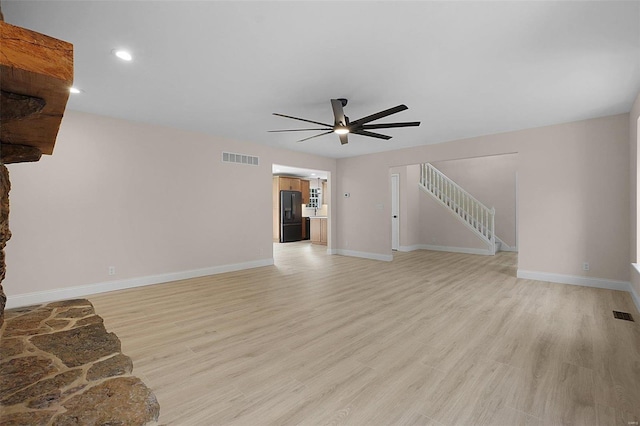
x=485, y=225
x=493, y=228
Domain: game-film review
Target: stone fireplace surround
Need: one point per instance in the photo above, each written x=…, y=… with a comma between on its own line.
x=60, y=366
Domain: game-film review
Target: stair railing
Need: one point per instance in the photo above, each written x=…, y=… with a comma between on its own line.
x=478, y=217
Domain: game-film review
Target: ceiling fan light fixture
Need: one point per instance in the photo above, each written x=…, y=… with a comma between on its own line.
x=341, y=130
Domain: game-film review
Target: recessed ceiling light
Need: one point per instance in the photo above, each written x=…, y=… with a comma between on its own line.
x=75, y=90
x=123, y=54
x=313, y=174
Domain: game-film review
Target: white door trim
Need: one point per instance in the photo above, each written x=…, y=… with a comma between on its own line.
x=395, y=211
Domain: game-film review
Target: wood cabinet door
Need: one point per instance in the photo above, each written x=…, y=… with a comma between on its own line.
x=304, y=187
x=295, y=184
x=323, y=231
x=289, y=184
x=315, y=230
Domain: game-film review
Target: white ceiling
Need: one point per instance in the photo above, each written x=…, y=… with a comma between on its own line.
x=463, y=68
x=282, y=170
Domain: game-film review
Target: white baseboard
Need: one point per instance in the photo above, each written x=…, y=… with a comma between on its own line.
x=465, y=250
x=365, y=255
x=410, y=248
x=506, y=247
x=583, y=281
x=635, y=269
x=89, y=289
x=635, y=297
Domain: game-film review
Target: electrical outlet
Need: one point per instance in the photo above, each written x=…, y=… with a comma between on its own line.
x=585, y=266
x=111, y=270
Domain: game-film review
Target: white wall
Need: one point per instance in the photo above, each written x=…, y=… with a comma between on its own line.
x=149, y=200
x=573, y=195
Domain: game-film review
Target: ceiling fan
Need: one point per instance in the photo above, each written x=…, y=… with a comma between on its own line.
x=342, y=126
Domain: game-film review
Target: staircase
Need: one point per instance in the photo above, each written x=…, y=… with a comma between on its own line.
x=476, y=216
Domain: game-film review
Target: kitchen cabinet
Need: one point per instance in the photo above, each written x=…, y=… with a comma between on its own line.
x=319, y=230
x=304, y=187
x=290, y=184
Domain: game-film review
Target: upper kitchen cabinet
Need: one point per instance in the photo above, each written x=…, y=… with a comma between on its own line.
x=304, y=187
x=290, y=184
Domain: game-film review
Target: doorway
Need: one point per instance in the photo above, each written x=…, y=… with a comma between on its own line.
x=313, y=186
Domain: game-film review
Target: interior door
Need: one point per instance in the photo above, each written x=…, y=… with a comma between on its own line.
x=395, y=211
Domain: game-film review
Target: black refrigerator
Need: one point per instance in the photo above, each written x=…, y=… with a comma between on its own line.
x=290, y=216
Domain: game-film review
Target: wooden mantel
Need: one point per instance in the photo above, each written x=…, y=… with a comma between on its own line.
x=36, y=72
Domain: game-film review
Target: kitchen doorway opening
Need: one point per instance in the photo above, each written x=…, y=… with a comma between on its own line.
x=301, y=207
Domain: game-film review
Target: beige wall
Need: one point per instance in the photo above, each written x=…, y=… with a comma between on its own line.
x=634, y=131
x=440, y=228
x=573, y=194
x=148, y=200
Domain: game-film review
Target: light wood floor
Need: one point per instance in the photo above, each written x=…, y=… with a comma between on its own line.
x=430, y=338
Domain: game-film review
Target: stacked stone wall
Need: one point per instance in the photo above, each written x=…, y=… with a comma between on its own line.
x=60, y=366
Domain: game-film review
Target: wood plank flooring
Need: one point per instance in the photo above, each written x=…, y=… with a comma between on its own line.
x=430, y=338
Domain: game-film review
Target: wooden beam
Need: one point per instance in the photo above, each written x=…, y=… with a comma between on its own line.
x=36, y=66
x=18, y=107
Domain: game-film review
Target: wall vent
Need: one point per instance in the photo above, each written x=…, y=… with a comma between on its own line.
x=622, y=315
x=232, y=157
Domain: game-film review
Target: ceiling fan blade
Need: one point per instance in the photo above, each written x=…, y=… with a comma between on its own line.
x=315, y=136
x=389, y=125
x=379, y=115
x=302, y=119
x=295, y=130
x=344, y=139
x=371, y=134
x=338, y=112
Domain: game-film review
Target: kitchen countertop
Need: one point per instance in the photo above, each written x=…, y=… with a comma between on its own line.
x=317, y=217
